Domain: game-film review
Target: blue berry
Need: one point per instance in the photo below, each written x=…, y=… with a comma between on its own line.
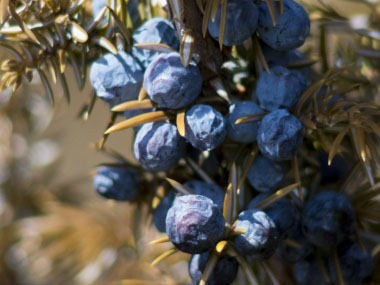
x=355, y=263
x=291, y=29
x=205, y=127
x=291, y=253
x=280, y=135
x=308, y=272
x=246, y=132
x=116, y=183
x=266, y=175
x=156, y=30
x=224, y=272
x=158, y=146
x=276, y=57
x=116, y=78
x=194, y=224
x=283, y=213
x=261, y=238
x=241, y=23
x=159, y=215
x=212, y=191
x=279, y=89
x=328, y=219
x=170, y=84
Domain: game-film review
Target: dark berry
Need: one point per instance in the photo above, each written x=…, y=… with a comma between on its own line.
x=116, y=78
x=266, y=175
x=280, y=135
x=169, y=83
x=205, y=127
x=156, y=30
x=261, y=238
x=355, y=263
x=328, y=219
x=246, y=132
x=158, y=146
x=224, y=272
x=212, y=191
x=279, y=89
x=283, y=213
x=194, y=224
x=291, y=29
x=116, y=183
x=241, y=22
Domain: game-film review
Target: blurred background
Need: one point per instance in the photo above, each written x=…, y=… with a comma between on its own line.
x=54, y=228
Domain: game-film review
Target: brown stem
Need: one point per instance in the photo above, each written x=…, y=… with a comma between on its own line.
x=207, y=49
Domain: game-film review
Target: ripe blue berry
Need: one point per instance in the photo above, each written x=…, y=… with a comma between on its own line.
x=241, y=23
x=283, y=213
x=158, y=146
x=261, y=238
x=212, y=191
x=116, y=183
x=266, y=175
x=328, y=219
x=291, y=29
x=205, y=127
x=355, y=263
x=276, y=57
x=224, y=272
x=170, y=84
x=279, y=89
x=116, y=78
x=194, y=224
x=280, y=135
x=309, y=272
x=246, y=132
x=156, y=30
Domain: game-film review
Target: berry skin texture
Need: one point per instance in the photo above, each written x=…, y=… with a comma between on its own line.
x=205, y=127
x=212, y=191
x=156, y=30
x=158, y=146
x=194, y=224
x=355, y=264
x=224, y=272
x=291, y=29
x=328, y=218
x=116, y=78
x=170, y=84
x=241, y=23
x=280, y=89
x=283, y=213
x=261, y=238
x=116, y=183
x=280, y=135
x=246, y=132
x=266, y=175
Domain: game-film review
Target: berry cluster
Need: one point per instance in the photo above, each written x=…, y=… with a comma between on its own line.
x=249, y=222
